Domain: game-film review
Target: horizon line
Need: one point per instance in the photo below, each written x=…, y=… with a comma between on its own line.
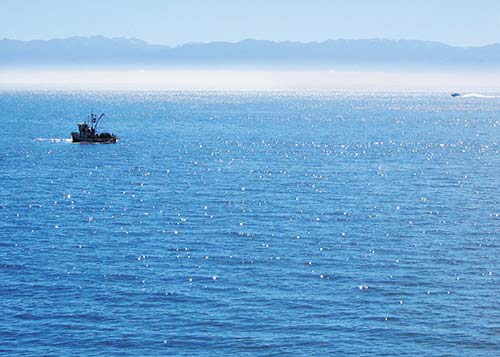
x=249, y=39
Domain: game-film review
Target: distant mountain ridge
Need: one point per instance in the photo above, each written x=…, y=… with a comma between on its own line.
x=372, y=53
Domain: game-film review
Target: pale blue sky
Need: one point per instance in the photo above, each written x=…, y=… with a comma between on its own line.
x=457, y=22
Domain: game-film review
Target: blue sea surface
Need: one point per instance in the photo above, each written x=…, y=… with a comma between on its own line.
x=250, y=223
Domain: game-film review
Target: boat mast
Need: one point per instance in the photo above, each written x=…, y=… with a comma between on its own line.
x=93, y=121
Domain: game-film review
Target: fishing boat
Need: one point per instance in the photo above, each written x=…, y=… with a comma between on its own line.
x=87, y=132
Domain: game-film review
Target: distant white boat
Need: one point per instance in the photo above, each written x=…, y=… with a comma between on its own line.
x=473, y=95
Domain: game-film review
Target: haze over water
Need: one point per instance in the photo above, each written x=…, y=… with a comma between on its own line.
x=304, y=223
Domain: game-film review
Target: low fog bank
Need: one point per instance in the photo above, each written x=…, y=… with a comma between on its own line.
x=247, y=80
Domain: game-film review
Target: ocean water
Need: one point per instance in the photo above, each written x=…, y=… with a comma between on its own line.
x=250, y=223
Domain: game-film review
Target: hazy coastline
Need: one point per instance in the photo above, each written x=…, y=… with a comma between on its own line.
x=99, y=62
x=249, y=79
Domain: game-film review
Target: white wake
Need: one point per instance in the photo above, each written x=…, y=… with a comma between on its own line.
x=54, y=140
x=477, y=95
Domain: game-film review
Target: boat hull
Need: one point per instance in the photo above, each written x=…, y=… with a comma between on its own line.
x=96, y=139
